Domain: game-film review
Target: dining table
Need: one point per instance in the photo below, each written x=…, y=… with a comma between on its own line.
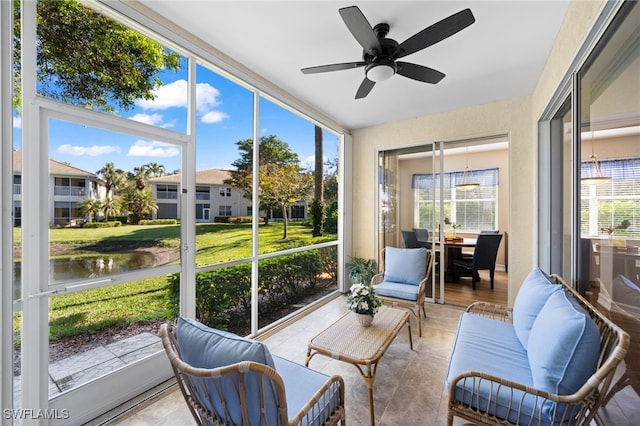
x=453, y=250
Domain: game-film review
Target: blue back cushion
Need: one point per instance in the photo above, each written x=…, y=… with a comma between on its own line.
x=205, y=347
x=533, y=294
x=406, y=266
x=564, y=345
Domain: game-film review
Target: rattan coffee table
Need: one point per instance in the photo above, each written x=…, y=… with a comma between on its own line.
x=346, y=340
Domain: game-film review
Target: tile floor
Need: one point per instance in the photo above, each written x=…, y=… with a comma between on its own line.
x=409, y=387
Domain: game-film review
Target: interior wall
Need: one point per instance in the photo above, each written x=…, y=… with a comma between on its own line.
x=518, y=117
x=476, y=160
x=511, y=117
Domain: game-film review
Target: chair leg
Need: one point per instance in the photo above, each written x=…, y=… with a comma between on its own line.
x=491, y=274
x=417, y=315
x=473, y=278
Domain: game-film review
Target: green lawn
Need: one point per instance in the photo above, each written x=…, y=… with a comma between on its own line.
x=147, y=300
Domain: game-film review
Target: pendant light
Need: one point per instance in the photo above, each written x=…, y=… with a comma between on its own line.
x=595, y=174
x=466, y=186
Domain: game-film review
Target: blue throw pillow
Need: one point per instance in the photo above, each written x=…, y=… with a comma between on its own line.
x=564, y=346
x=533, y=294
x=406, y=266
x=206, y=347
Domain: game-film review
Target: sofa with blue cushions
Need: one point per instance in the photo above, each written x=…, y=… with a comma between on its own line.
x=232, y=380
x=549, y=360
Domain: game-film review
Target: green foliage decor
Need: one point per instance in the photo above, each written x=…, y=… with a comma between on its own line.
x=223, y=292
x=362, y=270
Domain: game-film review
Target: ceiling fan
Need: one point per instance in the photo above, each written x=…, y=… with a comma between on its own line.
x=380, y=54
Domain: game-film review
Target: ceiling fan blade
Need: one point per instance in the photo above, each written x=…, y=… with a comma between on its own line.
x=419, y=72
x=361, y=29
x=435, y=33
x=365, y=88
x=332, y=67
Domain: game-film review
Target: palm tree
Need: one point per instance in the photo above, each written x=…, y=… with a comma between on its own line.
x=90, y=207
x=317, y=207
x=141, y=176
x=113, y=178
x=155, y=169
x=110, y=207
x=140, y=204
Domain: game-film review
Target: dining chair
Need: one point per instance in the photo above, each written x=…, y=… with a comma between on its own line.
x=410, y=240
x=484, y=257
x=422, y=235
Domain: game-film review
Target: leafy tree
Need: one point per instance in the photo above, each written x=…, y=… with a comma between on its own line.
x=114, y=179
x=283, y=185
x=273, y=151
x=90, y=206
x=85, y=58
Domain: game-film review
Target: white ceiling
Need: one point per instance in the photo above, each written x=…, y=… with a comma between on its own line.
x=500, y=56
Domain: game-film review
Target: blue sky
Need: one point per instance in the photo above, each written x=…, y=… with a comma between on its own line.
x=224, y=116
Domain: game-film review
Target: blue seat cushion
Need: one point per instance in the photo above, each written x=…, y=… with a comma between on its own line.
x=405, y=266
x=564, y=345
x=301, y=384
x=205, y=347
x=533, y=294
x=397, y=290
x=491, y=346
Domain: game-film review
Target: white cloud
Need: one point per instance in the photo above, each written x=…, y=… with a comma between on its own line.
x=309, y=163
x=152, y=149
x=213, y=117
x=175, y=95
x=167, y=96
x=92, y=151
x=17, y=122
x=153, y=119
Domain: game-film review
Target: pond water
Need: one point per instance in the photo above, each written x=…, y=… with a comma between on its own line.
x=94, y=265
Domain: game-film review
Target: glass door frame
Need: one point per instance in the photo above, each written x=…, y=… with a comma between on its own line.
x=131, y=380
x=382, y=182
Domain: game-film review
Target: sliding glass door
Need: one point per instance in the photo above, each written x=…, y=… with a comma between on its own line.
x=408, y=198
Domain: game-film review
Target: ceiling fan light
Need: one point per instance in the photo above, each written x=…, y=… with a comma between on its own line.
x=381, y=70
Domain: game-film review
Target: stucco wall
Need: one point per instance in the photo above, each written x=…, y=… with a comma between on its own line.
x=516, y=117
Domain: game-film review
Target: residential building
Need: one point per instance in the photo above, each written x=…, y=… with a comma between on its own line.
x=68, y=185
x=214, y=198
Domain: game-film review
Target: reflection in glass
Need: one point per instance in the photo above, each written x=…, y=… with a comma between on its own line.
x=610, y=209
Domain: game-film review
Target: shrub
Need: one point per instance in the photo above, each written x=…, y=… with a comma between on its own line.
x=331, y=222
x=110, y=224
x=158, y=222
x=222, y=292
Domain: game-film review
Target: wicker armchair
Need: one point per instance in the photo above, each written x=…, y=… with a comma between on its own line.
x=404, y=295
x=477, y=396
x=248, y=392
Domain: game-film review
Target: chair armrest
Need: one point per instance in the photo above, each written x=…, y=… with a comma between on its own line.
x=377, y=278
x=494, y=382
x=491, y=310
x=338, y=411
